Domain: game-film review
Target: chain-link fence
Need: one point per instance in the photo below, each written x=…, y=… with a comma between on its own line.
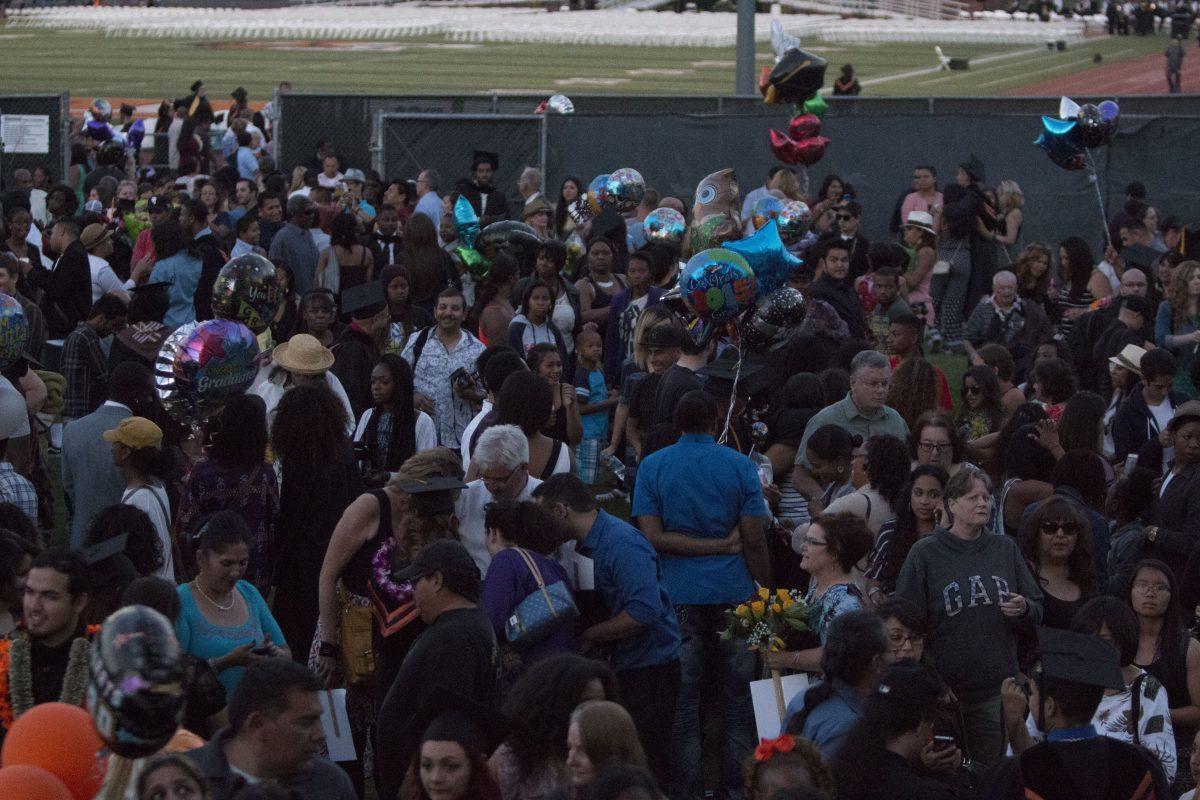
x=674, y=142
x=34, y=133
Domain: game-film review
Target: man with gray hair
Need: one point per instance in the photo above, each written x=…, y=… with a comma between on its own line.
x=501, y=457
x=530, y=184
x=862, y=412
x=429, y=202
x=1004, y=318
x=294, y=243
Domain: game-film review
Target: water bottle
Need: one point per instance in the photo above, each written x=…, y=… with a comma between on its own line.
x=618, y=468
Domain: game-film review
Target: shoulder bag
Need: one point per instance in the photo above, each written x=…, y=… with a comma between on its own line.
x=541, y=611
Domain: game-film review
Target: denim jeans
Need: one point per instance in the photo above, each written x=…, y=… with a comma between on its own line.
x=700, y=627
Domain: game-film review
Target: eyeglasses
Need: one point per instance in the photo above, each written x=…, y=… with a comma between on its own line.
x=1146, y=587
x=972, y=390
x=844, y=217
x=494, y=480
x=811, y=542
x=934, y=447
x=1068, y=528
x=898, y=639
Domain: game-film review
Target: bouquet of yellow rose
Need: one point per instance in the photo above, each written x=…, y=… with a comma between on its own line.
x=766, y=619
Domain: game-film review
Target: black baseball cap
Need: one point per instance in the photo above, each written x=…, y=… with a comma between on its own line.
x=662, y=335
x=459, y=572
x=158, y=204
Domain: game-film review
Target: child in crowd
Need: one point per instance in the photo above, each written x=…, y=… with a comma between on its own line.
x=594, y=402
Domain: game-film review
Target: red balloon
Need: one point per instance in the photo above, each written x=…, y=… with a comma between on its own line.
x=764, y=81
x=810, y=151
x=60, y=739
x=31, y=783
x=804, y=126
x=784, y=148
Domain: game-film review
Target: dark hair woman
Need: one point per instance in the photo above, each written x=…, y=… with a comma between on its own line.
x=600, y=284
x=914, y=389
x=234, y=475
x=1082, y=283
x=493, y=310
x=533, y=760
x=430, y=267
x=347, y=259
x=406, y=316
x=1024, y=463
x=883, y=748
x=521, y=537
x=565, y=424
x=568, y=193
x=1081, y=426
x=319, y=479
x=565, y=311
x=980, y=412
x=917, y=517
x=223, y=618
x=1056, y=543
x=1165, y=648
x=1129, y=498
x=177, y=262
x=855, y=652
x=527, y=401
x=392, y=429
x=887, y=468
x=16, y=554
x=288, y=315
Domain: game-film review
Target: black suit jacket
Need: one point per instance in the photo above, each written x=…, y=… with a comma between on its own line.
x=69, y=291
x=1177, y=515
x=497, y=205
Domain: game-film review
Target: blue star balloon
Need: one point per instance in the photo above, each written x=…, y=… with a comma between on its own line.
x=766, y=254
x=466, y=221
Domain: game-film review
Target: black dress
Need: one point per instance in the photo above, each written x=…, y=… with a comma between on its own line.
x=311, y=501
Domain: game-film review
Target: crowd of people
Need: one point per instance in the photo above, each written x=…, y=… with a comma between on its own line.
x=510, y=513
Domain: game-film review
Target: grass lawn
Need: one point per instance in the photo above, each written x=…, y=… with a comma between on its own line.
x=88, y=64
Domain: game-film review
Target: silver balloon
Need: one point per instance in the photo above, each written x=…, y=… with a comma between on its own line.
x=793, y=221
x=665, y=225
x=560, y=104
x=625, y=189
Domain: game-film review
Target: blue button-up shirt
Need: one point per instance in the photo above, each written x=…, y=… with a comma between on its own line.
x=827, y=724
x=702, y=489
x=182, y=271
x=247, y=163
x=628, y=578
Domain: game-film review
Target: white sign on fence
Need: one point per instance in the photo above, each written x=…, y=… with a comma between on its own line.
x=25, y=133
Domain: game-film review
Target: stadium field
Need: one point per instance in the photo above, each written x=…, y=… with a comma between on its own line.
x=90, y=64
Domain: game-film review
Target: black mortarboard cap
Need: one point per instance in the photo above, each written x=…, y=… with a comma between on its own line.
x=459, y=572
x=796, y=77
x=973, y=166
x=1078, y=658
x=481, y=156
x=433, y=495
x=106, y=549
x=446, y=716
x=363, y=301
x=719, y=375
x=196, y=86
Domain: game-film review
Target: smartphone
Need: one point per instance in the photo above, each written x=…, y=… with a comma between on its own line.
x=1131, y=462
x=261, y=649
x=943, y=742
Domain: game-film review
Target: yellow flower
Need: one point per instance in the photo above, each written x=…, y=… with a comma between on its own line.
x=783, y=595
x=778, y=609
x=764, y=593
x=742, y=610
x=758, y=607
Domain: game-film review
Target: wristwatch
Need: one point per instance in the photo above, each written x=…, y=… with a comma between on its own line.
x=1151, y=533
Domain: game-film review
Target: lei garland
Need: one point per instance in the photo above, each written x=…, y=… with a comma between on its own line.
x=381, y=569
x=16, y=676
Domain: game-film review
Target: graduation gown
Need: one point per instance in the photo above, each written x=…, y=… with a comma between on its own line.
x=1098, y=768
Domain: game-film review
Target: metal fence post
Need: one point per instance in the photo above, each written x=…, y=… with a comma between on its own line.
x=64, y=132
x=277, y=130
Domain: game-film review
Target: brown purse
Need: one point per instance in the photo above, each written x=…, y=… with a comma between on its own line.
x=357, y=647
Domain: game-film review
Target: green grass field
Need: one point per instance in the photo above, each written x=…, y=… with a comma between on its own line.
x=89, y=64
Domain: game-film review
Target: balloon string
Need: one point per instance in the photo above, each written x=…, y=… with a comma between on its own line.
x=737, y=373
x=804, y=188
x=1095, y=179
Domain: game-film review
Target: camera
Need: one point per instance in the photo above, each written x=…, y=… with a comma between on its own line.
x=462, y=380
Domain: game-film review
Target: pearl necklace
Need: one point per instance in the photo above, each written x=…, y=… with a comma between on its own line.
x=218, y=606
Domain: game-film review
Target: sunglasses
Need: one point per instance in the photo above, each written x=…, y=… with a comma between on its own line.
x=972, y=390
x=1068, y=528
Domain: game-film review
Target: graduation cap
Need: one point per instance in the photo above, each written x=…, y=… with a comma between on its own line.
x=108, y=562
x=450, y=717
x=433, y=495
x=363, y=301
x=485, y=157
x=796, y=77
x=196, y=86
x=1078, y=658
x=720, y=372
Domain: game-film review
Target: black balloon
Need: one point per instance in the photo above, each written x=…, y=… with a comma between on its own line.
x=135, y=694
x=797, y=77
x=1091, y=129
x=514, y=238
x=776, y=316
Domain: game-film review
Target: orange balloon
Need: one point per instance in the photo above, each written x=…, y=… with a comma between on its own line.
x=31, y=783
x=60, y=739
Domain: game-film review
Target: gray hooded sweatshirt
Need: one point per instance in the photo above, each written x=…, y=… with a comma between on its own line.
x=956, y=586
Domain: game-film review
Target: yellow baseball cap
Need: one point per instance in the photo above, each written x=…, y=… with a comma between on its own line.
x=135, y=432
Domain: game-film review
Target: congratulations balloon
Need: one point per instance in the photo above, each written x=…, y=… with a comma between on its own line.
x=665, y=225
x=135, y=694
x=203, y=364
x=767, y=256
x=466, y=221
x=14, y=330
x=718, y=284
x=764, y=210
x=247, y=290
x=625, y=189
x=717, y=194
x=793, y=221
